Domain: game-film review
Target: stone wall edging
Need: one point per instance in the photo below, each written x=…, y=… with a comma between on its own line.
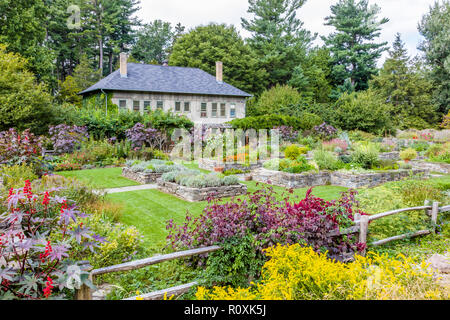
x=343, y=179
x=201, y=194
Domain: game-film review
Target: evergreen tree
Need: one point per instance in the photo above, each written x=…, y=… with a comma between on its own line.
x=278, y=37
x=312, y=78
x=435, y=28
x=153, y=43
x=406, y=90
x=22, y=28
x=353, y=50
x=204, y=45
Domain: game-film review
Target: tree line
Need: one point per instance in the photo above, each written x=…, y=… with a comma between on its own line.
x=278, y=62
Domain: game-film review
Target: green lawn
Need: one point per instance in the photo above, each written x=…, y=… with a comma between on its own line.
x=101, y=178
x=149, y=210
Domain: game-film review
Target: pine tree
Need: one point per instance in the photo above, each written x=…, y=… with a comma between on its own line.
x=353, y=50
x=278, y=37
x=405, y=89
x=154, y=42
x=435, y=28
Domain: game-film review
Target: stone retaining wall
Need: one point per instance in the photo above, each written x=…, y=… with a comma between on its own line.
x=431, y=166
x=201, y=194
x=395, y=155
x=343, y=179
x=209, y=164
x=142, y=178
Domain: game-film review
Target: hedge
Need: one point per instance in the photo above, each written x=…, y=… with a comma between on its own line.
x=305, y=122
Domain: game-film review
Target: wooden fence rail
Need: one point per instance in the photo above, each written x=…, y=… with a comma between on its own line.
x=361, y=226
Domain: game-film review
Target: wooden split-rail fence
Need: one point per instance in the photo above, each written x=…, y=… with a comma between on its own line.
x=361, y=227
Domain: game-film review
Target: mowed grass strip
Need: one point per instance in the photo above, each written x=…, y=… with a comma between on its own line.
x=101, y=178
x=149, y=210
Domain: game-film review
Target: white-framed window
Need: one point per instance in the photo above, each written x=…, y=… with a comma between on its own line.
x=223, y=110
x=177, y=106
x=187, y=107
x=204, y=110
x=160, y=105
x=136, y=106
x=214, y=110
x=147, y=106
x=122, y=104
x=233, y=111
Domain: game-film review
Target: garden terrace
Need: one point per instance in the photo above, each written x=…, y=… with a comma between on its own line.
x=201, y=194
x=337, y=178
x=431, y=166
x=146, y=172
x=213, y=165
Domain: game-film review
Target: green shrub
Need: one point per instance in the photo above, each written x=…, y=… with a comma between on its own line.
x=363, y=111
x=327, y=160
x=122, y=244
x=276, y=98
x=299, y=165
x=293, y=151
x=365, y=155
x=408, y=154
x=306, y=121
x=15, y=176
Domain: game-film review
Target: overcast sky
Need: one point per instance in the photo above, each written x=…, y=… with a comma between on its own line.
x=404, y=15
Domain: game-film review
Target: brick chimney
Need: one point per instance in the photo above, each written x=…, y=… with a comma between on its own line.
x=123, y=65
x=219, y=71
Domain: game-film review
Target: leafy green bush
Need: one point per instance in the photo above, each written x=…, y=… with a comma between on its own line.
x=365, y=155
x=408, y=154
x=24, y=103
x=276, y=98
x=305, y=122
x=363, y=111
x=122, y=242
x=15, y=176
x=327, y=160
x=293, y=151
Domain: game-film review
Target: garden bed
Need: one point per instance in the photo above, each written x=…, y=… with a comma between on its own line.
x=337, y=178
x=201, y=194
x=210, y=164
x=431, y=166
x=141, y=177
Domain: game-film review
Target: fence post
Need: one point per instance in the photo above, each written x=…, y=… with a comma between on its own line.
x=85, y=293
x=364, y=226
x=434, y=215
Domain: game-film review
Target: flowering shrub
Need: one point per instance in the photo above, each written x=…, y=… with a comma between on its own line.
x=140, y=137
x=31, y=265
x=263, y=221
x=335, y=145
x=67, y=167
x=287, y=133
x=325, y=131
x=20, y=148
x=299, y=273
x=66, y=138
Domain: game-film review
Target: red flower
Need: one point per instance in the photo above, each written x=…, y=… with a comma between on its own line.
x=46, y=199
x=48, y=288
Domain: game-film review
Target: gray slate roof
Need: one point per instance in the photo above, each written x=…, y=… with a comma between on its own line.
x=160, y=79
